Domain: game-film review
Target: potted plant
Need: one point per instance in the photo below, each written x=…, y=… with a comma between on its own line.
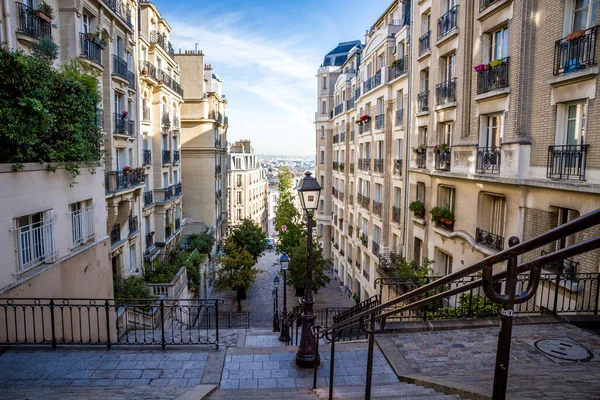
x=442, y=148
x=575, y=35
x=363, y=238
x=45, y=11
x=124, y=114
x=364, y=118
x=418, y=208
x=420, y=148
x=397, y=63
x=495, y=63
x=127, y=170
x=442, y=216
x=479, y=67
x=341, y=220
x=356, y=298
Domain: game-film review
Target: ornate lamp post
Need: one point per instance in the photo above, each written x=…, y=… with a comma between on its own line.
x=309, y=192
x=285, y=330
x=275, y=305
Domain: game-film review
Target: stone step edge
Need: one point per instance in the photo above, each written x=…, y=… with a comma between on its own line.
x=339, y=346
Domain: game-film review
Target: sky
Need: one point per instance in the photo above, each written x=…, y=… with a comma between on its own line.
x=268, y=52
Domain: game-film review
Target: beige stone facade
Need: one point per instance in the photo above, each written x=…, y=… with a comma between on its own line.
x=501, y=133
x=248, y=190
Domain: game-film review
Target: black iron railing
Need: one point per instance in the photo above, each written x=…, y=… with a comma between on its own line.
x=351, y=168
x=364, y=201
x=148, y=198
x=375, y=248
x=423, y=101
x=147, y=157
x=399, y=68
x=489, y=239
x=422, y=159
x=115, y=234
x=364, y=164
x=123, y=125
x=372, y=82
x=400, y=118
x=567, y=162
x=177, y=189
x=335, y=165
x=131, y=80
x=564, y=268
x=167, y=80
x=119, y=66
x=367, y=125
x=483, y=4
x=493, y=77
x=396, y=214
x=442, y=161
x=377, y=207
x=176, y=156
x=398, y=167
x=379, y=121
x=90, y=49
x=356, y=93
x=424, y=43
x=575, y=52
x=134, y=225
x=378, y=165
x=338, y=109
x=116, y=181
x=161, y=40
x=147, y=69
x=447, y=22
x=30, y=23
x=166, y=156
x=121, y=9
x=445, y=92
x=488, y=160
x=343, y=137
x=350, y=104
x=167, y=193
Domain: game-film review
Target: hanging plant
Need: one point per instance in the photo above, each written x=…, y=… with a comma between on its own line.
x=45, y=12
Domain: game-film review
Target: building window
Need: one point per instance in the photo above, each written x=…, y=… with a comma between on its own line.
x=421, y=192
x=36, y=241
x=584, y=14
x=417, y=245
x=324, y=107
x=571, y=124
x=499, y=44
x=443, y=262
x=82, y=222
x=448, y=68
x=492, y=212
x=239, y=214
x=422, y=136
x=446, y=195
x=239, y=180
x=446, y=131
x=324, y=82
x=239, y=197
x=322, y=132
x=492, y=131
x=133, y=259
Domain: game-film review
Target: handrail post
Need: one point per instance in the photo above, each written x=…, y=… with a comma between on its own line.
x=597, y=294
x=217, y=323
x=163, y=344
x=332, y=364
x=52, y=324
x=370, y=358
x=554, y=311
x=106, y=306
x=316, y=334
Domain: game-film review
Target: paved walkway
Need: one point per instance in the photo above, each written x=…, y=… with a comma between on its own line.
x=467, y=357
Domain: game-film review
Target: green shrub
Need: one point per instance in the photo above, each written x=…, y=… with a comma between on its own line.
x=132, y=288
x=416, y=206
x=438, y=213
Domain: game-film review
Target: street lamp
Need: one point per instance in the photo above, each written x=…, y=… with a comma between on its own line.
x=285, y=331
x=275, y=305
x=309, y=192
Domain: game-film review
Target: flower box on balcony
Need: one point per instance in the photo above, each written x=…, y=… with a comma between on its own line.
x=364, y=118
x=495, y=63
x=575, y=35
x=442, y=148
x=419, y=150
x=479, y=67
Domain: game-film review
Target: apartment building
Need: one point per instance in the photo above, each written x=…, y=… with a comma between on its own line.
x=249, y=188
x=498, y=137
x=203, y=145
x=161, y=98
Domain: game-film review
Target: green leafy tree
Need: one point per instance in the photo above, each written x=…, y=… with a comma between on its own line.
x=248, y=235
x=237, y=270
x=131, y=288
x=297, y=268
x=203, y=242
x=287, y=216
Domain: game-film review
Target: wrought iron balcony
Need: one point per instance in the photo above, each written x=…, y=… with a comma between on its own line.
x=177, y=189
x=566, y=268
x=489, y=239
x=158, y=38
x=372, y=82
x=31, y=24
x=356, y=93
x=400, y=118
x=166, y=156
x=442, y=160
x=424, y=43
x=217, y=169
x=447, y=22
x=121, y=9
x=422, y=160
x=398, y=167
x=148, y=198
x=396, y=214
x=343, y=137
x=351, y=136
x=488, y=160
x=567, y=162
x=375, y=248
x=134, y=225
x=338, y=109
x=364, y=201
x=379, y=121
x=493, y=77
x=335, y=165
x=119, y=67
x=147, y=69
x=147, y=157
x=131, y=80
x=575, y=52
x=167, y=193
x=116, y=181
x=377, y=206
x=366, y=125
x=336, y=138
x=399, y=68
x=123, y=125
x=168, y=81
x=351, y=168
x=483, y=4
x=350, y=104
x=378, y=165
x=176, y=157
x=423, y=101
x=115, y=234
x=90, y=49
x=445, y=92
x=364, y=164
x=350, y=202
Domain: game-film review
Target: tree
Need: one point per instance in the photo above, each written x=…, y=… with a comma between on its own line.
x=248, y=235
x=297, y=268
x=236, y=272
x=203, y=242
x=287, y=215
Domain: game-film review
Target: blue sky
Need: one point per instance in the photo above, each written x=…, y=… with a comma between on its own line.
x=268, y=53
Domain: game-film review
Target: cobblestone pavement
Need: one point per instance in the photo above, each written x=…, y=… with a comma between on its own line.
x=259, y=300
x=245, y=368
x=468, y=356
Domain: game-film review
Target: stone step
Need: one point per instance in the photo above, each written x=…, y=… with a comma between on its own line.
x=396, y=391
x=264, y=394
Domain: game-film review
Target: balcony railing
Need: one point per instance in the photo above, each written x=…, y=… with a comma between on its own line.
x=119, y=66
x=423, y=101
x=396, y=214
x=489, y=239
x=131, y=80
x=147, y=157
x=30, y=23
x=493, y=78
x=375, y=248
x=149, y=240
x=422, y=160
x=90, y=49
x=166, y=156
x=372, y=82
x=567, y=162
x=364, y=164
x=488, y=160
x=338, y=109
x=424, y=43
x=398, y=167
x=133, y=225
x=379, y=121
x=566, y=268
x=356, y=93
x=352, y=136
x=445, y=92
x=442, y=160
x=335, y=165
x=147, y=69
x=447, y=22
x=364, y=201
x=575, y=52
x=217, y=169
x=118, y=180
x=121, y=9
x=399, y=68
x=176, y=157
x=123, y=125
x=341, y=166
x=158, y=38
x=148, y=198
x=350, y=202
x=350, y=104
x=177, y=189
x=377, y=206
x=343, y=137
x=336, y=138
x=400, y=118
x=351, y=168
x=115, y=234
x=366, y=125
x=167, y=80
x=483, y=4
x=378, y=165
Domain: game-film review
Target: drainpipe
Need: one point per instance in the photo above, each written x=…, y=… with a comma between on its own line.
x=408, y=135
x=7, y=26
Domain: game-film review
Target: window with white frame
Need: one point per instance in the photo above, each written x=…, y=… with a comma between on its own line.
x=499, y=44
x=81, y=215
x=378, y=192
x=443, y=262
x=397, y=197
x=585, y=14
x=492, y=127
x=448, y=67
x=324, y=107
x=376, y=233
x=492, y=211
x=36, y=242
x=571, y=121
x=322, y=132
x=133, y=267
x=421, y=192
x=446, y=130
x=446, y=195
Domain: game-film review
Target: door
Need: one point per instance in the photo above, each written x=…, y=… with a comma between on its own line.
x=493, y=131
x=575, y=125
